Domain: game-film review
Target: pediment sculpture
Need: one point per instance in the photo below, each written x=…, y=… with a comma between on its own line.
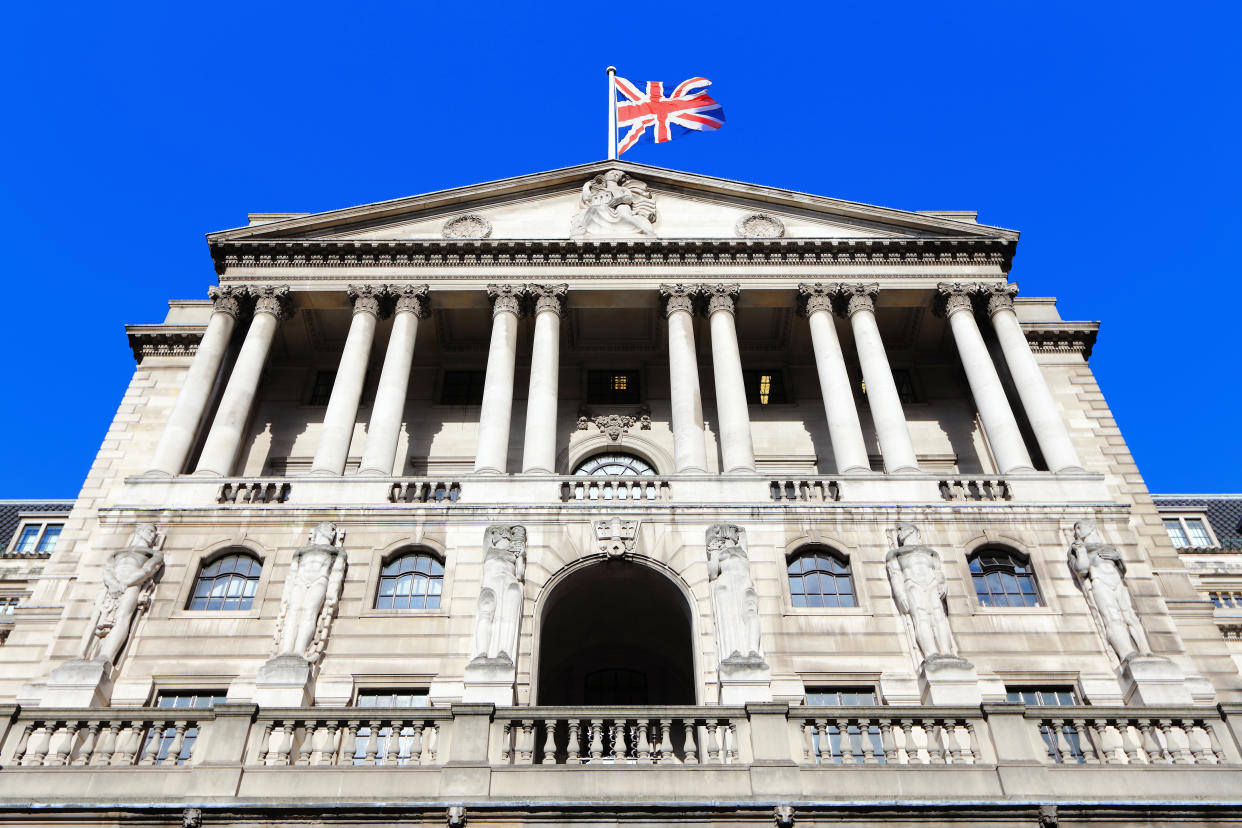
x=614, y=205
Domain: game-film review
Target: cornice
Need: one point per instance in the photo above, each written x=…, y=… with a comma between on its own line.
x=279, y=253
x=1062, y=337
x=164, y=340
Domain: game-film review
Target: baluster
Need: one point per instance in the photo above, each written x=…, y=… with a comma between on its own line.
x=868, y=746
x=691, y=751
x=64, y=757
x=19, y=753
x=957, y=751
x=1129, y=743
x=549, y=742
x=667, y=754
x=392, y=753
x=1063, y=749
x=907, y=742
x=431, y=742
x=847, y=742
x=1081, y=727
x=83, y=756
x=506, y=744
x=712, y=746
x=935, y=741
x=597, y=740
x=731, y=730
x=1185, y=752
x=1050, y=741
x=373, y=728
x=526, y=747
x=973, y=739
x=572, y=750
x=1171, y=754
x=418, y=743
x=618, y=740
x=178, y=742
x=1151, y=745
x=1099, y=729
x=151, y=752
x=807, y=729
x=1214, y=742
x=823, y=742
x=331, y=745
x=40, y=740
x=310, y=730
x=265, y=744
x=642, y=746
x=886, y=741
x=349, y=746
x=285, y=756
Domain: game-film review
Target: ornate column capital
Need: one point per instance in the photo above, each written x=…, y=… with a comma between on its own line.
x=228, y=299
x=505, y=299
x=548, y=298
x=859, y=297
x=720, y=297
x=413, y=299
x=678, y=297
x=816, y=297
x=1000, y=297
x=367, y=298
x=271, y=299
x=956, y=296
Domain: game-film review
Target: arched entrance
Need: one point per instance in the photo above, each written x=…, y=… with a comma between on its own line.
x=615, y=633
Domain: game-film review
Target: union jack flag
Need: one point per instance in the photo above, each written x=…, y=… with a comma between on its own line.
x=650, y=116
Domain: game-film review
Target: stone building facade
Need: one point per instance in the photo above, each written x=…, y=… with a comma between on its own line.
x=616, y=494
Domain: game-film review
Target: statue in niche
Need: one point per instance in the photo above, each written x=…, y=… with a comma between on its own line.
x=1102, y=571
x=128, y=581
x=613, y=204
x=735, y=603
x=500, y=595
x=917, y=577
x=312, y=592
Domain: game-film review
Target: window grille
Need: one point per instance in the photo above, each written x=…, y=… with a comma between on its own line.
x=615, y=464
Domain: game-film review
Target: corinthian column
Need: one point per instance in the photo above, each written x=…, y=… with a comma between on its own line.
x=539, y=450
x=1041, y=409
x=737, y=450
x=844, y=430
x=342, y=413
x=886, y=411
x=985, y=384
x=689, y=447
x=497, y=410
x=187, y=412
x=380, y=453
x=223, y=441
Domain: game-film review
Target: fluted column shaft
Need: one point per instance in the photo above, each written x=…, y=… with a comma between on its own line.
x=539, y=446
x=985, y=385
x=886, y=411
x=737, y=449
x=187, y=413
x=379, y=455
x=341, y=416
x=689, y=445
x=849, y=450
x=1041, y=409
x=224, y=439
x=492, y=450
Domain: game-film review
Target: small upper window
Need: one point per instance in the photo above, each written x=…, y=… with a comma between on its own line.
x=840, y=696
x=1226, y=600
x=396, y=697
x=321, y=391
x=1041, y=696
x=411, y=581
x=1003, y=579
x=613, y=388
x=615, y=464
x=180, y=700
x=765, y=387
x=1188, y=532
x=227, y=583
x=37, y=538
x=462, y=388
x=8, y=605
x=821, y=578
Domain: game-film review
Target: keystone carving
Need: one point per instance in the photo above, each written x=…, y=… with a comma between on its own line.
x=615, y=426
x=616, y=537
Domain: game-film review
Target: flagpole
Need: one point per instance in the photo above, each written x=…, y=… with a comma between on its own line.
x=612, y=113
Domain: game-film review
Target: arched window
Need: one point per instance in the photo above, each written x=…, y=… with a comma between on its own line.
x=821, y=578
x=414, y=580
x=615, y=464
x=1004, y=579
x=227, y=583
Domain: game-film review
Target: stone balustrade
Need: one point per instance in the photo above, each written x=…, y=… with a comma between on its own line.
x=615, y=489
x=1086, y=735
x=812, y=490
x=350, y=737
x=837, y=735
x=106, y=738
x=975, y=488
x=425, y=491
x=253, y=491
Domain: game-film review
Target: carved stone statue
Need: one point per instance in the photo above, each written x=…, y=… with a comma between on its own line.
x=500, y=595
x=312, y=592
x=735, y=603
x=917, y=577
x=1102, y=570
x=613, y=204
x=128, y=580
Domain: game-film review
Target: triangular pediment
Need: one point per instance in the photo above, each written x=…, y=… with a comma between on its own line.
x=550, y=205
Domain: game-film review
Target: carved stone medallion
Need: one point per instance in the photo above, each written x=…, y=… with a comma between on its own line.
x=760, y=226
x=467, y=227
x=616, y=537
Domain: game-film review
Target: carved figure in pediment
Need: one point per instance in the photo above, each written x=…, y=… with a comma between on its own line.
x=613, y=204
x=917, y=577
x=128, y=580
x=735, y=602
x=500, y=595
x=1102, y=570
x=312, y=593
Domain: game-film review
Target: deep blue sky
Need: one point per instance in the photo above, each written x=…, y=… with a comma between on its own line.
x=1107, y=134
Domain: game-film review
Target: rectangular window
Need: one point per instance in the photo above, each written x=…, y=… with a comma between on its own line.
x=8, y=605
x=1070, y=748
x=27, y=539
x=613, y=388
x=765, y=387
x=377, y=749
x=1189, y=532
x=1176, y=534
x=51, y=534
x=37, y=538
x=1198, y=532
x=844, y=697
x=180, y=700
x=462, y=388
x=321, y=391
x=840, y=696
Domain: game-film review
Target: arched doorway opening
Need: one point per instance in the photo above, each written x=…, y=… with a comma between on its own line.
x=616, y=633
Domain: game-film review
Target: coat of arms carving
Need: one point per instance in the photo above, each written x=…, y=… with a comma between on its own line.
x=616, y=537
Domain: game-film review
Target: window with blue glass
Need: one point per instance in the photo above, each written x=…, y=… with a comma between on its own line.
x=227, y=583
x=1069, y=747
x=169, y=752
x=828, y=733
x=820, y=577
x=1004, y=579
x=414, y=580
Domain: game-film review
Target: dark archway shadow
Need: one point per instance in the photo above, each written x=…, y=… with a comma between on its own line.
x=616, y=633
